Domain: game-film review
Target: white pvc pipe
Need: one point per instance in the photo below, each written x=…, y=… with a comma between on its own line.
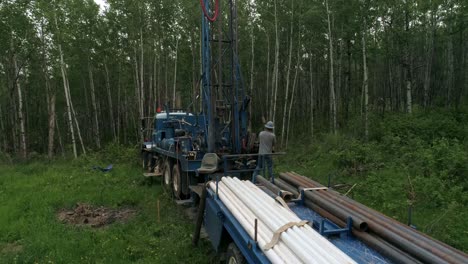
x=273, y=209
x=317, y=245
x=279, y=221
x=308, y=235
x=287, y=236
x=282, y=250
x=271, y=255
x=306, y=232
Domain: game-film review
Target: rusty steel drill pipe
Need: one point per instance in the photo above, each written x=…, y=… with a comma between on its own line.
x=333, y=207
x=287, y=187
x=445, y=249
x=442, y=250
x=371, y=240
x=392, y=230
x=382, y=229
x=386, y=249
x=287, y=196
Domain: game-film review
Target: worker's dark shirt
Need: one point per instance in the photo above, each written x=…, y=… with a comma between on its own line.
x=267, y=141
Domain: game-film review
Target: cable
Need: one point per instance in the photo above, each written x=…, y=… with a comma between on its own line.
x=205, y=12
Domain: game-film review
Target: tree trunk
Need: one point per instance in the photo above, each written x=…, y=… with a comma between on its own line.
x=109, y=99
x=288, y=72
x=430, y=38
x=275, y=71
x=166, y=83
x=194, y=74
x=78, y=130
x=311, y=97
x=175, y=73
x=298, y=66
x=331, y=78
x=252, y=61
x=21, y=121
x=60, y=137
x=409, y=99
x=338, y=90
x=97, y=137
x=119, y=107
x=142, y=82
x=155, y=80
x=138, y=96
x=150, y=98
x=450, y=72
x=268, y=90
x=3, y=133
x=365, y=86
x=348, y=80
x=67, y=95
x=51, y=99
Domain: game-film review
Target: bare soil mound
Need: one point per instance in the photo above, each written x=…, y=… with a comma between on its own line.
x=11, y=248
x=87, y=215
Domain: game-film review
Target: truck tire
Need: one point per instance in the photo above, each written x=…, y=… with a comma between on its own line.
x=178, y=183
x=167, y=174
x=233, y=255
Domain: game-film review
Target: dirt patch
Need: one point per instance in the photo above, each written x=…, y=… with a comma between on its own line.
x=87, y=215
x=11, y=248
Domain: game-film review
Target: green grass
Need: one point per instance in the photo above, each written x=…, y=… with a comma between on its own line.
x=31, y=195
x=420, y=158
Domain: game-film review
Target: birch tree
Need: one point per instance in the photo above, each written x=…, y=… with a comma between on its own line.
x=17, y=85
x=97, y=136
x=175, y=73
x=283, y=124
x=275, y=70
x=66, y=91
x=50, y=95
x=365, y=85
x=332, y=75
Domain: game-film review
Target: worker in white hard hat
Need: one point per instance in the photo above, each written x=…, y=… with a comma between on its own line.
x=267, y=141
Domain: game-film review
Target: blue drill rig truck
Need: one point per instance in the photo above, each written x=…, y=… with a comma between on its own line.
x=218, y=125
x=193, y=149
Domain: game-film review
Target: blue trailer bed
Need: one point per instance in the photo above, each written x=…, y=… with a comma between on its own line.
x=222, y=227
x=350, y=245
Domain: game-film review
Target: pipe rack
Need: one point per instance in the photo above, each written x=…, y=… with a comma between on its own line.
x=297, y=244
x=399, y=242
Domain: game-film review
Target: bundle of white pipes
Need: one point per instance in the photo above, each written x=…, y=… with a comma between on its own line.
x=297, y=244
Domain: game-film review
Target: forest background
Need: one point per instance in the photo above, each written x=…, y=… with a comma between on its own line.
x=362, y=92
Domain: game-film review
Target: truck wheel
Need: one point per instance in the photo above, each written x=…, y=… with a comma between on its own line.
x=177, y=182
x=167, y=174
x=233, y=255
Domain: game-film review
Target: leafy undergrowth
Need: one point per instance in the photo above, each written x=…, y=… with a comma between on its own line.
x=419, y=160
x=32, y=194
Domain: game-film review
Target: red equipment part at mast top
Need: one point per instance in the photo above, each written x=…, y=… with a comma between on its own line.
x=205, y=12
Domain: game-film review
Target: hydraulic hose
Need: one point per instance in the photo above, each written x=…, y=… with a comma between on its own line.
x=205, y=12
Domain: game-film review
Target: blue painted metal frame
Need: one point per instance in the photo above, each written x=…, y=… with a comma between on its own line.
x=334, y=230
x=226, y=221
x=206, y=65
x=345, y=241
x=185, y=164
